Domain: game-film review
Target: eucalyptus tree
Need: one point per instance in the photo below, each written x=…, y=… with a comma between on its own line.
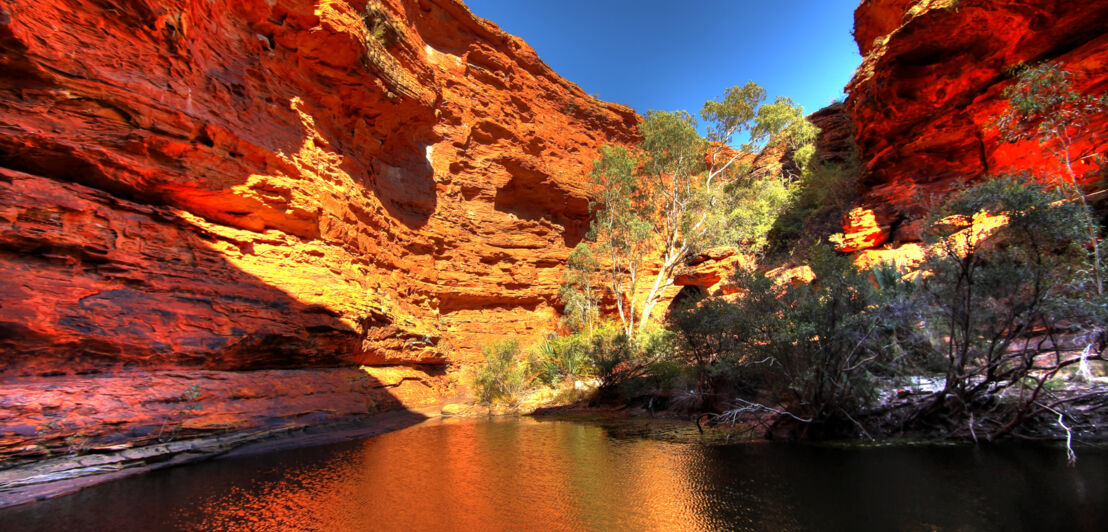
x=619, y=227
x=673, y=194
x=1043, y=105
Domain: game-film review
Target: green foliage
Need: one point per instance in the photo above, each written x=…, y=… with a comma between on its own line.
x=816, y=354
x=754, y=207
x=784, y=121
x=677, y=196
x=814, y=349
x=564, y=357
x=733, y=113
x=624, y=367
x=78, y=444
x=1042, y=104
x=818, y=203
x=678, y=193
x=627, y=367
x=501, y=376
x=672, y=150
x=379, y=27
x=580, y=292
x=707, y=330
x=1037, y=215
x=619, y=226
x=989, y=290
x=759, y=210
x=191, y=395
x=741, y=111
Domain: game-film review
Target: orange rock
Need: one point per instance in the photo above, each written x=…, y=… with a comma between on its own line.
x=66, y=414
x=925, y=100
x=835, y=143
x=874, y=19
x=228, y=177
x=711, y=270
x=976, y=231
x=279, y=184
x=964, y=232
x=791, y=275
x=860, y=231
x=904, y=257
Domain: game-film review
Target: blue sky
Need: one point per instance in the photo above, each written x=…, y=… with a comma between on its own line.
x=676, y=54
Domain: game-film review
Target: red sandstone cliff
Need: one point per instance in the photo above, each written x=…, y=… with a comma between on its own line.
x=931, y=85
x=276, y=185
x=211, y=212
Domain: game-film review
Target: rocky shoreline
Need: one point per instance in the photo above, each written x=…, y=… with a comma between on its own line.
x=65, y=475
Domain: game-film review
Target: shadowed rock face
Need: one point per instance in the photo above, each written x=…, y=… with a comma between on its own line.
x=255, y=184
x=931, y=85
x=278, y=185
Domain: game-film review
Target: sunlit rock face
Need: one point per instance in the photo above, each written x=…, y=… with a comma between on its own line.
x=860, y=231
x=279, y=184
x=931, y=86
x=711, y=270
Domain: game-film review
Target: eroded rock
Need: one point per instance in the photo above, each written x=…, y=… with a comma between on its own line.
x=274, y=185
x=930, y=89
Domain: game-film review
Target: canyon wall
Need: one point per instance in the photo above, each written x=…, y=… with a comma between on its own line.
x=930, y=88
x=213, y=212
x=209, y=208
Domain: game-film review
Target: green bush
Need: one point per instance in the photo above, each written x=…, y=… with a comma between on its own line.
x=501, y=376
x=627, y=368
x=813, y=350
x=821, y=198
x=562, y=357
x=624, y=368
x=991, y=295
x=379, y=25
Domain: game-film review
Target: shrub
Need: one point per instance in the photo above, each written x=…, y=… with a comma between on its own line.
x=628, y=367
x=501, y=376
x=810, y=349
x=560, y=357
x=1000, y=303
x=708, y=337
x=994, y=287
x=379, y=26
x=822, y=197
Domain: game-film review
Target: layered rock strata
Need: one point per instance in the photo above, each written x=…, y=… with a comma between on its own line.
x=233, y=188
x=926, y=98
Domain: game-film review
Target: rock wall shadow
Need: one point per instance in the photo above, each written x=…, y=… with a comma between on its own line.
x=407, y=191
x=107, y=159
x=120, y=324
x=92, y=281
x=103, y=263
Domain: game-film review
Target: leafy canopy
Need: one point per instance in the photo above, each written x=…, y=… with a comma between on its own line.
x=677, y=193
x=1043, y=105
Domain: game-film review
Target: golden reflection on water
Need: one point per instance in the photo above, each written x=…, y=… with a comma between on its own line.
x=467, y=475
x=531, y=475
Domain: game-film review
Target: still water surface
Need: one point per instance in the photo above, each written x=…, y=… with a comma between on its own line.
x=559, y=475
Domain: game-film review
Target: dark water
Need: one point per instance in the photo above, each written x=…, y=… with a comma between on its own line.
x=558, y=475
